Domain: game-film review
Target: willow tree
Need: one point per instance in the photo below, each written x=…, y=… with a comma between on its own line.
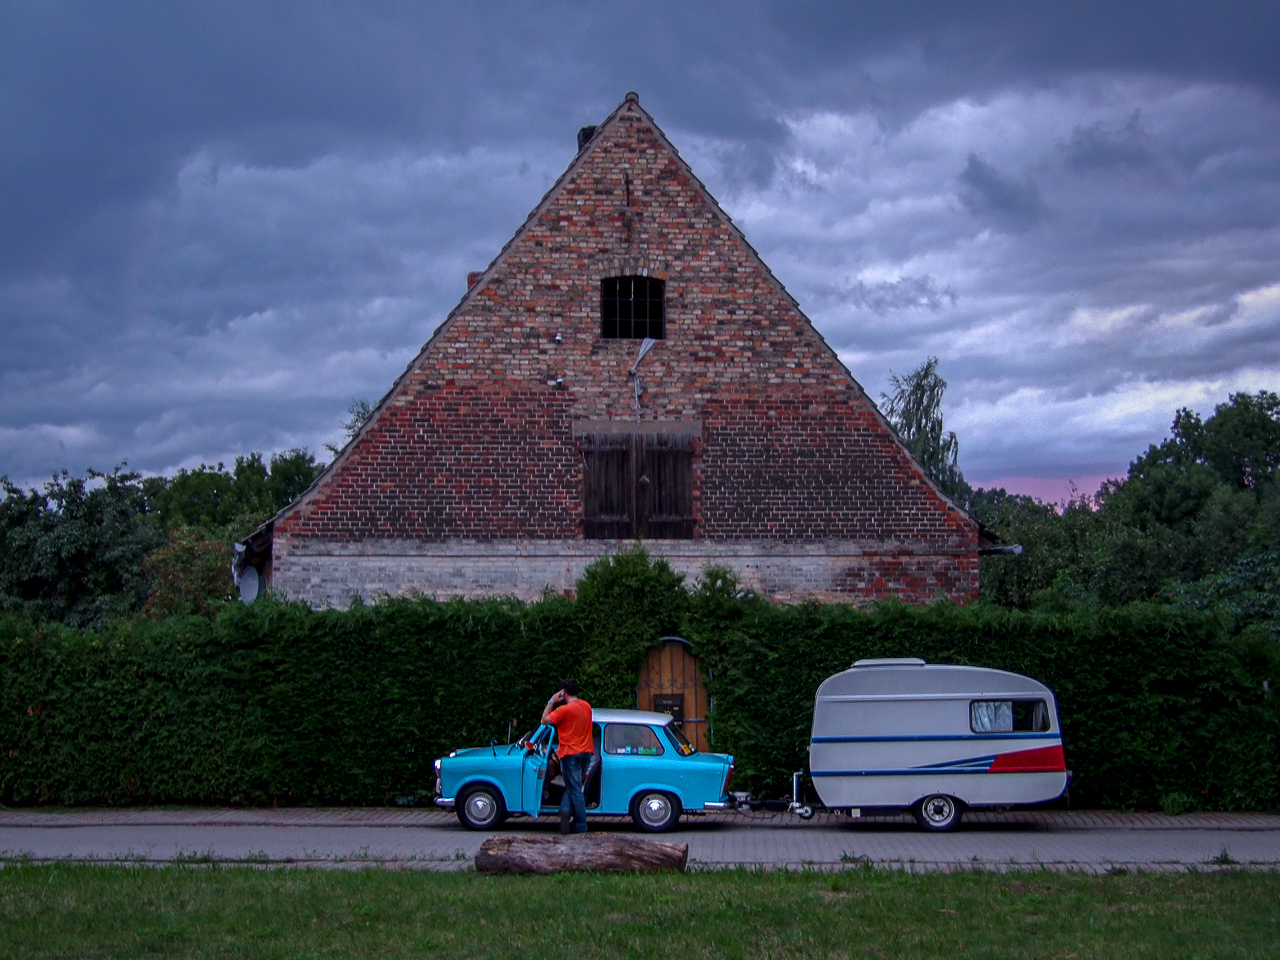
x=915, y=411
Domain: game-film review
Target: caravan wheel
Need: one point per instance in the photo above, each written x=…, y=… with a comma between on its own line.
x=937, y=812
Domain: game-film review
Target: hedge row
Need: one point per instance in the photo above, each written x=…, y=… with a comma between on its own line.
x=277, y=703
x=270, y=703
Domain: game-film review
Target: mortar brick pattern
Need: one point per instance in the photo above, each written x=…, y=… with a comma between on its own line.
x=475, y=444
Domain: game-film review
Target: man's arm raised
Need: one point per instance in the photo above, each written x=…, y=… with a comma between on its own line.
x=555, y=701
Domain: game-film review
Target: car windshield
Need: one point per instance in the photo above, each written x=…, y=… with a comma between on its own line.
x=538, y=735
x=681, y=742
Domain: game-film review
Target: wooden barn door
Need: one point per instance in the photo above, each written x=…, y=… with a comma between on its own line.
x=671, y=682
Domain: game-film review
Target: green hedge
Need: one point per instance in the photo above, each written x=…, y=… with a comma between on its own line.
x=270, y=703
x=277, y=703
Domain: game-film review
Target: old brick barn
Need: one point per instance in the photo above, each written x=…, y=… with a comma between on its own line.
x=626, y=367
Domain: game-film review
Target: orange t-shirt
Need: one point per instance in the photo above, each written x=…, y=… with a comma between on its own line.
x=573, y=724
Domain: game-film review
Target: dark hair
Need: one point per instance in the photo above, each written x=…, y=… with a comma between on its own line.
x=570, y=687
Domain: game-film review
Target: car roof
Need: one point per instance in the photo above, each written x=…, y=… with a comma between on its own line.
x=630, y=716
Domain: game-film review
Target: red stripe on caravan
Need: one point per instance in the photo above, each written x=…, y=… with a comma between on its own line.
x=1039, y=760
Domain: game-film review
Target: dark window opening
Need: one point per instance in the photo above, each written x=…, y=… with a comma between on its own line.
x=631, y=308
x=637, y=485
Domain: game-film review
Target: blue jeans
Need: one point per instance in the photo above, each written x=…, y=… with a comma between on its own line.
x=573, y=768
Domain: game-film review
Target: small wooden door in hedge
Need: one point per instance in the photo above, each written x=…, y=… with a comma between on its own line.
x=671, y=682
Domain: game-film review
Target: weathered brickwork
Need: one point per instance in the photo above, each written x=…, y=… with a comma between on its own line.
x=332, y=572
x=475, y=444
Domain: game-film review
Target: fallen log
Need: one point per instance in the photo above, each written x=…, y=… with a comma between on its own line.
x=600, y=852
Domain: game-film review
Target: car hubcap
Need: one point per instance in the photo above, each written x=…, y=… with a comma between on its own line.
x=938, y=809
x=654, y=810
x=480, y=807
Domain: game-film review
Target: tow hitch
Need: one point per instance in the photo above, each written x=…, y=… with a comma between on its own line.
x=791, y=804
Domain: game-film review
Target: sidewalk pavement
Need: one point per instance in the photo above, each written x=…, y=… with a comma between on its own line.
x=1093, y=841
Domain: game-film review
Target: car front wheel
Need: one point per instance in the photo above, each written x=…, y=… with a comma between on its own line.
x=655, y=811
x=937, y=812
x=481, y=808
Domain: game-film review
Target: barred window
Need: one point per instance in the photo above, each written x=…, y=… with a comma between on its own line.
x=631, y=308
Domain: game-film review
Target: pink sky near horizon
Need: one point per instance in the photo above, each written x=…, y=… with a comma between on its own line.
x=1047, y=489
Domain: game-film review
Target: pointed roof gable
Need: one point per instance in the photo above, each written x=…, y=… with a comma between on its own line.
x=629, y=111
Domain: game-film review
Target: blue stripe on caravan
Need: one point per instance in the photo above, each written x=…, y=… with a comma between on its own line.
x=928, y=737
x=982, y=762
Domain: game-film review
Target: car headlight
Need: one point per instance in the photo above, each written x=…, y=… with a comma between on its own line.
x=437, y=766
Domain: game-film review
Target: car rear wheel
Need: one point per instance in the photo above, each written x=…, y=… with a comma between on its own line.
x=938, y=812
x=655, y=811
x=481, y=808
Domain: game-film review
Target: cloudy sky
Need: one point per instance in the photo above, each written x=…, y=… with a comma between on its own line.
x=222, y=222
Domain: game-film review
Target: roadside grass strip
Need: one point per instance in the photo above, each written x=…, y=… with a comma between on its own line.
x=199, y=910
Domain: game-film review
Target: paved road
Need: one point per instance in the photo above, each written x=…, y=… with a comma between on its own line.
x=1083, y=840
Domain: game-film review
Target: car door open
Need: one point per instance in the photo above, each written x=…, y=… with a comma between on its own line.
x=533, y=775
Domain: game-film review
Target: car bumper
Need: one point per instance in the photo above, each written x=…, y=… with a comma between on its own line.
x=444, y=802
x=718, y=805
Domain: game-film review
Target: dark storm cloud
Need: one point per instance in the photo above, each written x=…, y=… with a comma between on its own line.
x=220, y=222
x=890, y=295
x=988, y=192
x=1097, y=147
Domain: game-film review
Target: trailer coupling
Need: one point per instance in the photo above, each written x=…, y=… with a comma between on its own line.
x=805, y=811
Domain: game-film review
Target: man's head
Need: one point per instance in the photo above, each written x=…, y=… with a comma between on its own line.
x=570, y=687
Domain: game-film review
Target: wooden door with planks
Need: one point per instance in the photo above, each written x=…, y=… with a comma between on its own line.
x=671, y=682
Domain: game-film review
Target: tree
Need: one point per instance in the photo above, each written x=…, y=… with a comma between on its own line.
x=291, y=473
x=1240, y=442
x=89, y=550
x=1195, y=521
x=191, y=574
x=915, y=411
x=74, y=550
x=235, y=502
x=358, y=411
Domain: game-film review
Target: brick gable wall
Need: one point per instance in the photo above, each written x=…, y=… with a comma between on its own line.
x=476, y=443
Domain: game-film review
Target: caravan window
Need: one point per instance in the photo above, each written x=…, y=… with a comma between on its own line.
x=1008, y=716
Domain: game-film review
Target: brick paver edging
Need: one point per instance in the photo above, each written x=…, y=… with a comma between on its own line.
x=410, y=817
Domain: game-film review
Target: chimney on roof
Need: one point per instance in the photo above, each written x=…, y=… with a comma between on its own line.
x=585, y=134
x=472, y=277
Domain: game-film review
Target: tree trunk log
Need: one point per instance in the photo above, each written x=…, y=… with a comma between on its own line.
x=601, y=852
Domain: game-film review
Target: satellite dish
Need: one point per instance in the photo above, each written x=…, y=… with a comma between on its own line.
x=250, y=584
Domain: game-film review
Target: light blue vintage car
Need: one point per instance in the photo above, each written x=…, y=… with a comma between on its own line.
x=643, y=766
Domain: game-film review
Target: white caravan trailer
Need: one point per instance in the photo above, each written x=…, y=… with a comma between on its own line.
x=934, y=739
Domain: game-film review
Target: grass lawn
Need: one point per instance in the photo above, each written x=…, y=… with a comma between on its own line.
x=87, y=911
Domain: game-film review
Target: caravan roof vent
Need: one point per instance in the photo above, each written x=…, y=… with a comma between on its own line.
x=891, y=662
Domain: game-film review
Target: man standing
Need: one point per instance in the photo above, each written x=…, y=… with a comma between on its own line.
x=571, y=716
